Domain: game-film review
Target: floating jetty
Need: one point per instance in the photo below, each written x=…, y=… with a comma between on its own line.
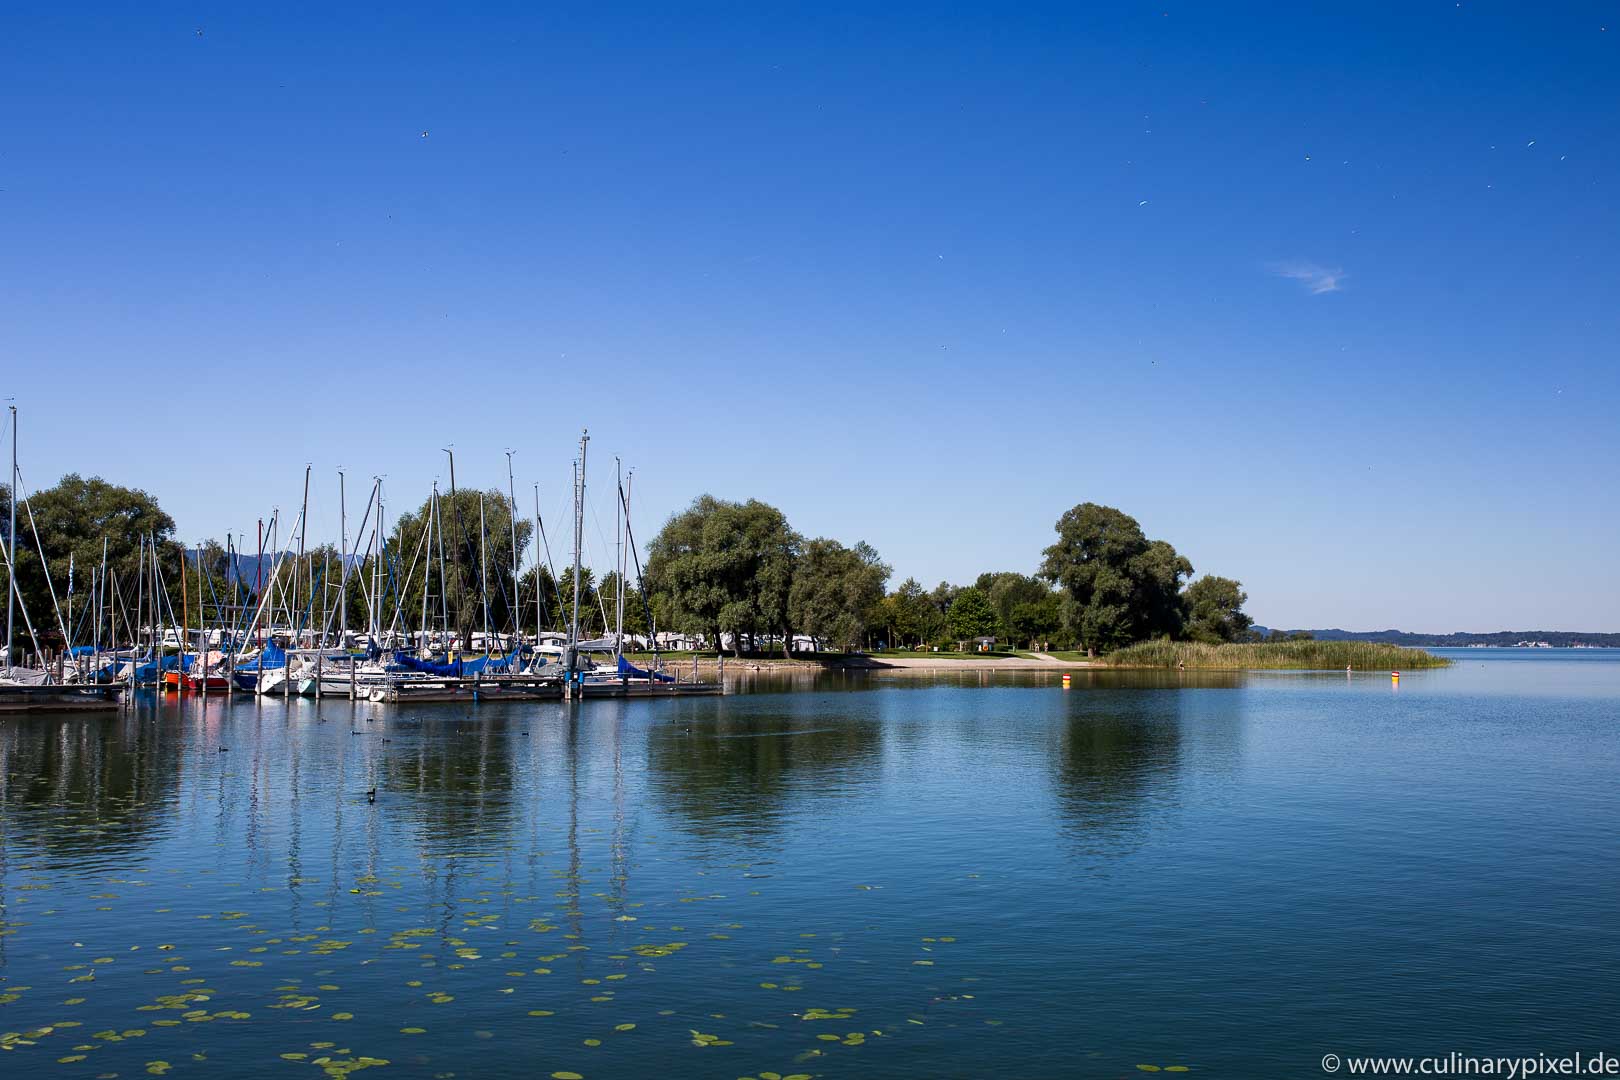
x=48, y=697
x=608, y=688
x=472, y=689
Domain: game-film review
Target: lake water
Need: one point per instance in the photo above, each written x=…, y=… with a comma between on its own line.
x=855, y=876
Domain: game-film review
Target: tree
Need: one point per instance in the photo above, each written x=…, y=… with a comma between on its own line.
x=473, y=569
x=836, y=591
x=1215, y=610
x=908, y=613
x=1158, y=574
x=1119, y=587
x=1036, y=620
x=635, y=612
x=1025, y=607
x=724, y=567
x=971, y=615
x=72, y=519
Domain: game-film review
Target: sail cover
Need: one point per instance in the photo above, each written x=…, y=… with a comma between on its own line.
x=627, y=668
x=456, y=668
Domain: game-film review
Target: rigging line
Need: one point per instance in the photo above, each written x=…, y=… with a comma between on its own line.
x=11, y=581
x=209, y=574
x=499, y=576
x=348, y=558
x=472, y=556
x=551, y=566
x=44, y=563
x=596, y=584
x=641, y=588
x=399, y=606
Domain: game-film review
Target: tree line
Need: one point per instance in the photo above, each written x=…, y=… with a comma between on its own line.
x=725, y=572
x=739, y=572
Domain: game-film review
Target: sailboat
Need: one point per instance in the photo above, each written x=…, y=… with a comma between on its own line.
x=36, y=688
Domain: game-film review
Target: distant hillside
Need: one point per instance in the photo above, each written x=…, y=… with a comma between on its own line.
x=1502, y=638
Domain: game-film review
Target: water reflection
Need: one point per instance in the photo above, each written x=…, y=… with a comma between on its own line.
x=1121, y=749
x=75, y=792
x=742, y=768
x=455, y=780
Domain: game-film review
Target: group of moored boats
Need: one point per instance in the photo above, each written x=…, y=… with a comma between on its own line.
x=267, y=642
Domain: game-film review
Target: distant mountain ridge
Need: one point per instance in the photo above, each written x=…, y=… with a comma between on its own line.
x=1502, y=638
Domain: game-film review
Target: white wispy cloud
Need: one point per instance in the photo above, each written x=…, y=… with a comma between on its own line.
x=1316, y=279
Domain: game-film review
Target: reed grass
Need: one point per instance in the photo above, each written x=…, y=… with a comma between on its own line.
x=1299, y=655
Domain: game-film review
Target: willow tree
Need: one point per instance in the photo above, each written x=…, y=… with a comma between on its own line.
x=721, y=567
x=476, y=565
x=1119, y=586
x=72, y=519
x=837, y=591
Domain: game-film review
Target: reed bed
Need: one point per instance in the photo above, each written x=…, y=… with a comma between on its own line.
x=1301, y=655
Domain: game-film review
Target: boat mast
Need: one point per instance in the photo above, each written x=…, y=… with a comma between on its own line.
x=140, y=599
x=427, y=579
x=101, y=608
x=538, y=591
x=202, y=652
x=258, y=584
x=303, y=528
x=382, y=551
x=624, y=562
x=455, y=551
x=618, y=563
x=511, y=508
x=185, y=609
x=444, y=581
x=579, y=540
x=483, y=567
x=343, y=548
x=372, y=599
x=11, y=544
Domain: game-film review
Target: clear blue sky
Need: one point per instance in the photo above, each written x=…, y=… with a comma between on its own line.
x=1325, y=297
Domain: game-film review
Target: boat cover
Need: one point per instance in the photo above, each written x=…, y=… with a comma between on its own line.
x=627, y=668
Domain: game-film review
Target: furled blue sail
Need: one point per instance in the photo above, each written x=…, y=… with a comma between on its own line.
x=456, y=668
x=627, y=668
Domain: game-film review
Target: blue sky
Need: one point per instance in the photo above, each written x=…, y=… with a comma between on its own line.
x=1327, y=298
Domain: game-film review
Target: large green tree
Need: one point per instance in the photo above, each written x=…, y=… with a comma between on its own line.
x=1215, y=610
x=1026, y=607
x=909, y=615
x=837, y=591
x=722, y=567
x=972, y=615
x=71, y=520
x=1119, y=586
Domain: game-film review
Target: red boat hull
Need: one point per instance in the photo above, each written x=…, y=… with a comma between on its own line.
x=174, y=680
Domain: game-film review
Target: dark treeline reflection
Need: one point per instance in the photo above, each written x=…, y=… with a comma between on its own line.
x=740, y=768
x=85, y=791
x=1119, y=756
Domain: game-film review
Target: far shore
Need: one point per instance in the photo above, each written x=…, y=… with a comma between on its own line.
x=1300, y=655
x=708, y=665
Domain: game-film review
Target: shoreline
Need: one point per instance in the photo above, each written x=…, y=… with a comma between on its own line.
x=708, y=665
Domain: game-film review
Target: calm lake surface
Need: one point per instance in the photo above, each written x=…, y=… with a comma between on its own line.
x=854, y=876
